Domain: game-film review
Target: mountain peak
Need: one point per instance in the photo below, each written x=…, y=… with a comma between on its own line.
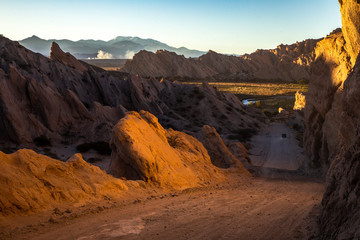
x=34, y=37
x=119, y=47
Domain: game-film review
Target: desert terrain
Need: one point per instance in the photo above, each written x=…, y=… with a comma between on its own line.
x=279, y=201
x=164, y=146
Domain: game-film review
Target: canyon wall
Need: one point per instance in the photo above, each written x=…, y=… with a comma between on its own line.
x=286, y=62
x=332, y=118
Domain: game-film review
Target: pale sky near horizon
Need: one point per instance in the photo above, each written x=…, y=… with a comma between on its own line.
x=225, y=26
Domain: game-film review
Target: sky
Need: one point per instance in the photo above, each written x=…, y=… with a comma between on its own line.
x=224, y=26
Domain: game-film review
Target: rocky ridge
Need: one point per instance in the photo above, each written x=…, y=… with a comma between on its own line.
x=286, y=62
x=66, y=100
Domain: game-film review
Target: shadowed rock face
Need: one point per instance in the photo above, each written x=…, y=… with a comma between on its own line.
x=340, y=218
x=286, y=62
x=43, y=97
x=143, y=149
x=332, y=125
x=57, y=54
x=67, y=100
x=221, y=156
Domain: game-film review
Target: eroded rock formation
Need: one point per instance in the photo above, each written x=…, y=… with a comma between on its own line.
x=67, y=100
x=220, y=154
x=32, y=182
x=340, y=218
x=323, y=100
x=286, y=62
x=300, y=101
x=143, y=149
x=57, y=54
x=333, y=122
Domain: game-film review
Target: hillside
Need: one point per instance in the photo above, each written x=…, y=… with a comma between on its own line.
x=286, y=62
x=63, y=99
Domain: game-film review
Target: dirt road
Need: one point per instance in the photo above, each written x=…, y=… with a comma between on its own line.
x=239, y=209
x=276, y=147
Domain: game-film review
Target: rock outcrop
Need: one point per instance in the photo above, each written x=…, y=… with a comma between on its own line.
x=219, y=153
x=67, y=100
x=300, y=101
x=340, y=217
x=32, y=182
x=323, y=100
x=57, y=54
x=286, y=62
x=332, y=125
x=350, y=11
x=143, y=149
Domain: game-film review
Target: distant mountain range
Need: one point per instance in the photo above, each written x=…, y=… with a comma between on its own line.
x=117, y=48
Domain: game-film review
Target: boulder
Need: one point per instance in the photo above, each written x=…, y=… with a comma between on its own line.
x=143, y=149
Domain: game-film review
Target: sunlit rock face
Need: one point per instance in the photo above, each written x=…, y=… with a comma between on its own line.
x=323, y=100
x=286, y=62
x=332, y=125
x=31, y=182
x=143, y=149
x=350, y=11
x=300, y=101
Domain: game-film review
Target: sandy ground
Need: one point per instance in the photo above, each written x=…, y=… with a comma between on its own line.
x=257, y=209
x=282, y=205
